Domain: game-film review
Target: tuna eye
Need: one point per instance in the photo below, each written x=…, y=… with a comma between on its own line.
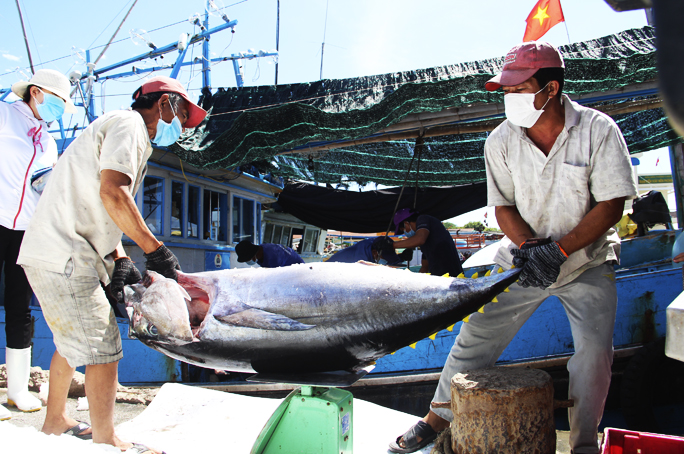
x=153, y=330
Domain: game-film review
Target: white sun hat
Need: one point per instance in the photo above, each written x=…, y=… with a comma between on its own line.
x=48, y=79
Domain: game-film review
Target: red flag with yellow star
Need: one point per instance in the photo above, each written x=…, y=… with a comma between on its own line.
x=544, y=15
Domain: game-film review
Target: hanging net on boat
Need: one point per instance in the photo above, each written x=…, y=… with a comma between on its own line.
x=274, y=127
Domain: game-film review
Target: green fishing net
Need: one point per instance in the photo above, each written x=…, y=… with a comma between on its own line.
x=273, y=127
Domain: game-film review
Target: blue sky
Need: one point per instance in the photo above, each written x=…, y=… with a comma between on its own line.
x=362, y=37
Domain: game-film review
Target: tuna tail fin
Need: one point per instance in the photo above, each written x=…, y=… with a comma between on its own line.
x=256, y=318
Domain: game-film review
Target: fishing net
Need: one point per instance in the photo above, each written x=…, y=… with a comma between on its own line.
x=272, y=127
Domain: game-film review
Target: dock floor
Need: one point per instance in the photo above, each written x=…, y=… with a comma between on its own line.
x=184, y=419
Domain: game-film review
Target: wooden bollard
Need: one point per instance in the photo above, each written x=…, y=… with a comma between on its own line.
x=502, y=410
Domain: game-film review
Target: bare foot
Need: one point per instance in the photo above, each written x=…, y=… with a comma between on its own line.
x=141, y=449
x=61, y=426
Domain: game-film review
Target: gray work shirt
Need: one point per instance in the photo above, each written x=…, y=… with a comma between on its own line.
x=588, y=163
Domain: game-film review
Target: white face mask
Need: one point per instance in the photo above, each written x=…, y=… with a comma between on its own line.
x=520, y=108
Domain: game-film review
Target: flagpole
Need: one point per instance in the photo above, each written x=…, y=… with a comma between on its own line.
x=567, y=32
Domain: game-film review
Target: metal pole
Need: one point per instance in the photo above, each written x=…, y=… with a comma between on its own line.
x=277, y=41
x=325, y=28
x=206, y=68
x=115, y=33
x=89, y=89
x=677, y=165
x=178, y=64
x=239, y=80
x=28, y=50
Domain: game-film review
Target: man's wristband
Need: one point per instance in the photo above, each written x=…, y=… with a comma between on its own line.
x=562, y=250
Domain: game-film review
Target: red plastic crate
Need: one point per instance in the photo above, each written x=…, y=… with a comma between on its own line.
x=618, y=441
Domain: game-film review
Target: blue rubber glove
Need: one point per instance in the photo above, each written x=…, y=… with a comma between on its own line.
x=541, y=263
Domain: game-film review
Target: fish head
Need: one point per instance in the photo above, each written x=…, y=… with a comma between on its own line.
x=157, y=310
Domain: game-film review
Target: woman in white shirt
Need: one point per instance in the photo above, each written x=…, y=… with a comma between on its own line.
x=27, y=148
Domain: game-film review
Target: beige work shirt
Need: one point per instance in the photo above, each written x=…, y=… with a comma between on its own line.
x=588, y=163
x=71, y=222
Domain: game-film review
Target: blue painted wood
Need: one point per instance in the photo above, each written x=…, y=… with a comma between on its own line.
x=644, y=292
x=214, y=261
x=140, y=364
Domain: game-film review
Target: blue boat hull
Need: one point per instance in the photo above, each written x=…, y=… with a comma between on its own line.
x=646, y=284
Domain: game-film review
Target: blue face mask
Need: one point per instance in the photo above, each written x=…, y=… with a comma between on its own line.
x=250, y=262
x=409, y=233
x=52, y=107
x=168, y=133
x=382, y=262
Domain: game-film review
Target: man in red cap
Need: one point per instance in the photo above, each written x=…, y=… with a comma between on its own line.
x=558, y=175
x=74, y=242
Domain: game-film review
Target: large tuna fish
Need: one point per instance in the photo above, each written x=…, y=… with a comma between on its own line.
x=303, y=318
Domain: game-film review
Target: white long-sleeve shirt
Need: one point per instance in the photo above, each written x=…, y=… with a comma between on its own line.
x=25, y=146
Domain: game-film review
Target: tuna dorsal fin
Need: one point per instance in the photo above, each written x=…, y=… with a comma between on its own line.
x=256, y=318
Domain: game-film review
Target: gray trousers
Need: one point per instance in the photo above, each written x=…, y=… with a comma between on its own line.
x=590, y=301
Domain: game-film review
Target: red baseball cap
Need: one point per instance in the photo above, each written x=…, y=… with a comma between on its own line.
x=162, y=83
x=523, y=61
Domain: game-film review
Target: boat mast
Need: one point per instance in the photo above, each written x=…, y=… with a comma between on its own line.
x=206, y=68
x=277, y=41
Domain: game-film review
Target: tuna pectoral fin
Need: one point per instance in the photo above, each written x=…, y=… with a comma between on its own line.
x=256, y=318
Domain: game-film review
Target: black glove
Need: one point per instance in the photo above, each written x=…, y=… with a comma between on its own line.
x=163, y=262
x=384, y=244
x=542, y=265
x=125, y=273
x=519, y=262
x=406, y=255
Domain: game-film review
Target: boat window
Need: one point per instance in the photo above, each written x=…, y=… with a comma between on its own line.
x=268, y=234
x=286, y=239
x=310, y=240
x=192, y=230
x=243, y=219
x=215, y=211
x=258, y=220
x=153, y=204
x=277, y=234
x=177, y=205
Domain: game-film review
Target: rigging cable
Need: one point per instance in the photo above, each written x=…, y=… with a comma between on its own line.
x=420, y=144
x=116, y=32
x=403, y=185
x=325, y=28
x=110, y=23
x=23, y=29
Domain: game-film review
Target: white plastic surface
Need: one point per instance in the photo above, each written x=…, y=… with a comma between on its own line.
x=185, y=419
x=674, y=343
